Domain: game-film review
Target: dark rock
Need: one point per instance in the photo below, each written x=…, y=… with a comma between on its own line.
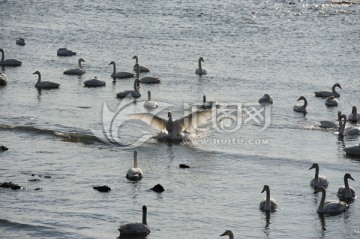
x=102, y=189
x=158, y=188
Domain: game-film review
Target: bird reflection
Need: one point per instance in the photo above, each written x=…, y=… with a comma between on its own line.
x=267, y=223
x=322, y=221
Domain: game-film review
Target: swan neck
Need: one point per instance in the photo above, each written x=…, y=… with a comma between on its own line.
x=200, y=64
x=144, y=217
x=316, y=173
x=80, y=64
x=114, y=68
x=342, y=126
x=2, y=55
x=149, y=95
x=267, y=202
x=135, y=159
x=39, y=77
x=322, y=201
x=305, y=103
x=346, y=183
x=136, y=86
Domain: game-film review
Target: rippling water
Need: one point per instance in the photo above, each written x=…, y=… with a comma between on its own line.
x=284, y=48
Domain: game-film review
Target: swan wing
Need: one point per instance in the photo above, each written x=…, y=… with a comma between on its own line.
x=194, y=119
x=151, y=119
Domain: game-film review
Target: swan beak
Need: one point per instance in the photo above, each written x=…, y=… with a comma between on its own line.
x=351, y=178
x=311, y=167
x=263, y=190
x=224, y=234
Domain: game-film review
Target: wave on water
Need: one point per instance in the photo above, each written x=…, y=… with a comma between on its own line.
x=71, y=136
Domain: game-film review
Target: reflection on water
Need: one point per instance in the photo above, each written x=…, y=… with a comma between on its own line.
x=322, y=221
x=267, y=223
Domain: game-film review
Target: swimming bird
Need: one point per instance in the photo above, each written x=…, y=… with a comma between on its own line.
x=228, y=233
x=146, y=79
x=207, y=104
x=354, y=116
x=136, y=228
x=8, y=62
x=331, y=101
x=200, y=71
x=268, y=204
x=121, y=74
x=150, y=104
x=351, y=131
x=326, y=124
x=174, y=130
x=331, y=207
x=266, y=99
x=354, y=150
x=134, y=173
x=346, y=192
x=20, y=42
x=318, y=181
x=158, y=188
x=94, y=82
x=301, y=108
x=132, y=93
x=141, y=68
x=3, y=148
x=65, y=52
x=103, y=189
x=329, y=93
x=76, y=71
x=3, y=79
x=45, y=84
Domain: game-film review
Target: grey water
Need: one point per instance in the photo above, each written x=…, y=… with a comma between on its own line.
x=286, y=48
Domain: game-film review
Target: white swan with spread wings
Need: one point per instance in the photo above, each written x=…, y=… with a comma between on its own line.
x=175, y=130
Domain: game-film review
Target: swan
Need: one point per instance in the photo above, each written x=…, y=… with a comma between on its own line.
x=331, y=101
x=329, y=93
x=174, y=130
x=3, y=79
x=207, y=104
x=133, y=93
x=65, y=52
x=301, y=108
x=354, y=116
x=95, y=82
x=8, y=62
x=326, y=124
x=134, y=173
x=318, y=181
x=329, y=206
x=147, y=79
x=20, y=42
x=200, y=71
x=228, y=233
x=136, y=228
x=76, y=71
x=120, y=75
x=141, y=68
x=346, y=192
x=268, y=204
x=351, y=131
x=354, y=150
x=266, y=99
x=150, y=104
x=45, y=84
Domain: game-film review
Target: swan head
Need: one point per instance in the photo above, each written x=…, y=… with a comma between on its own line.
x=36, y=73
x=135, y=57
x=347, y=175
x=169, y=114
x=81, y=60
x=266, y=188
x=315, y=165
x=354, y=110
x=342, y=116
x=337, y=85
x=112, y=63
x=227, y=233
x=319, y=189
x=204, y=98
x=301, y=98
x=201, y=59
x=1, y=50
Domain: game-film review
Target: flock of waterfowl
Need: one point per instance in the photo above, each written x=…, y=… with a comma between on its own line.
x=176, y=128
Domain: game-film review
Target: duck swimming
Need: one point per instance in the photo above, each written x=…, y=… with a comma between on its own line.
x=201, y=70
x=45, y=84
x=76, y=71
x=146, y=79
x=20, y=42
x=330, y=207
x=331, y=101
x=8, y=62
x=329, y=93
x=346, y=192
x=318, y=181
x=354, y=150
x=266, y=99
x=65, y=52
x=354, y=116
